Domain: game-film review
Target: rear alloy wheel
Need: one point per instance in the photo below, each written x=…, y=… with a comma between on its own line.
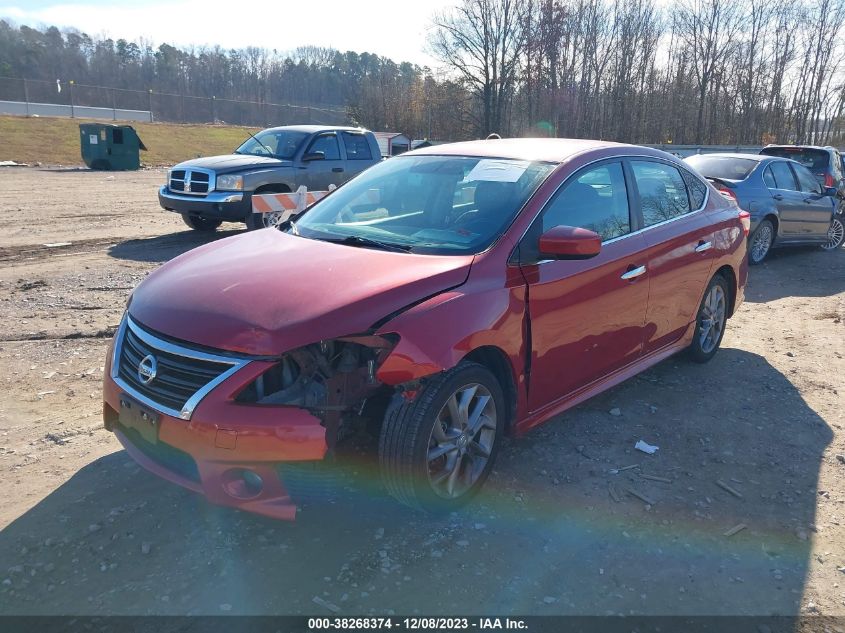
x=760, y=242
x=710, y=321
x=436, y=452
x=199, y=223
x=835, y=234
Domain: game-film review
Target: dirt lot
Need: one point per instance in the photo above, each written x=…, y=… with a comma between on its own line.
x=86, y=531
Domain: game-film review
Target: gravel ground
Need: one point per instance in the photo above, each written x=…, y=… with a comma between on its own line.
x=572, y=521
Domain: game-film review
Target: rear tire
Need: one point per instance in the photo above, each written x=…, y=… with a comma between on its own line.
x=710, y=321
x=199, y=223
x=436, y=452
x=835, y=233
x=760, y=242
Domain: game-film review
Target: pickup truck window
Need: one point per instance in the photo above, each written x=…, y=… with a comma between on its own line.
x=357, y=147
x=281, y=143
x=326, y=143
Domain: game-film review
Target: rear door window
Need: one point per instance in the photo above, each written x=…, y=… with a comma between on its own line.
x=782, y=175
x=806, y=180
x=663, y=193
x=697, y=189
x=357, y=147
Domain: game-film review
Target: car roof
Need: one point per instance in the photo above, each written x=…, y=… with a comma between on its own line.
x=535, y=149
x=311, y=129
x=754, y=157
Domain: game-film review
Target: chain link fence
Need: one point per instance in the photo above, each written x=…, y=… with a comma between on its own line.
x=163, y=106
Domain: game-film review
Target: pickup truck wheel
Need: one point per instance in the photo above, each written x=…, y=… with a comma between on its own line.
x=199, y=223
x=257, y=221
x=436, y=452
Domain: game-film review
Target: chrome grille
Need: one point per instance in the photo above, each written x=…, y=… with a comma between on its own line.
x=191, y=181
x=182, y=375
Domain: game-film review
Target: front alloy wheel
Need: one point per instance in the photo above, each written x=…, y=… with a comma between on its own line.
x=436, y=452
x=461, y=441
x=835, y=234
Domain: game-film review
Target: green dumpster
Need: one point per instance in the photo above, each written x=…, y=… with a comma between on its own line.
x=110, y=147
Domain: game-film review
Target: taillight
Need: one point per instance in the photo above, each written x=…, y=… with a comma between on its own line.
x=745, y=220
x=828, y=180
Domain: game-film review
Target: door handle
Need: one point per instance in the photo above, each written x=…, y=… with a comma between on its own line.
x=633, y=273
x=777, y=196
x=337, y=170
x=703, y=246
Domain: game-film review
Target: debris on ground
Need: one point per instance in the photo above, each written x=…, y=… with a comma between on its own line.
x=645, y=447
x=736, y=493
x=736, y=529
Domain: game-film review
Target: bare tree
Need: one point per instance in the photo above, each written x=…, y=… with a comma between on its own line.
x=482, y=41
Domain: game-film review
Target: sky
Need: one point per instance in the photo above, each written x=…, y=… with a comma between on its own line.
x=393, y=28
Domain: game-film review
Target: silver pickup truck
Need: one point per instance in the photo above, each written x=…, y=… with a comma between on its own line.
x=208, y=191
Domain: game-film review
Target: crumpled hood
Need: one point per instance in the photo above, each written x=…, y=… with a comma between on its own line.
x=233, y=162
x=267, y=292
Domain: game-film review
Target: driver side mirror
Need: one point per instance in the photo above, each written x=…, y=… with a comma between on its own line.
x=313, y=156
x=569, y=242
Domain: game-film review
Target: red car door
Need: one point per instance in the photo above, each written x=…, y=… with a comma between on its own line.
x=679, y=237
x=586, y=316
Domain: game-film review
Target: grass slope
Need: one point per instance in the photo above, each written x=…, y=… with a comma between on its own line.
x=55, y=141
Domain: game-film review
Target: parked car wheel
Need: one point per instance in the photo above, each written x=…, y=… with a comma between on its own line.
x=710, y=321
x=835, y=233
x=199, y=223
x=257, y=221
x=436, y=452
x=761, y=242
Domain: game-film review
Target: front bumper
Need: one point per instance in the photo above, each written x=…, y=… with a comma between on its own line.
x=231, y=206
x=210, y=453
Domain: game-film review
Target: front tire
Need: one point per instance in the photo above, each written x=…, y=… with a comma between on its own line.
x=199, y=223
x=436, y=452
x=835, y=233
x=760, y=242
x=710, y=321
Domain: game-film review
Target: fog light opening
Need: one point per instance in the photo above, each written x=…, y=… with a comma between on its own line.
x=242, y=483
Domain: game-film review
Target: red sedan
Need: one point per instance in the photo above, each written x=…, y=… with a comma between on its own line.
x=452, y=294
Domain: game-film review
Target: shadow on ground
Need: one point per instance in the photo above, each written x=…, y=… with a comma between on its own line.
x=793, y=272
x=162, y=248
x=545, y=537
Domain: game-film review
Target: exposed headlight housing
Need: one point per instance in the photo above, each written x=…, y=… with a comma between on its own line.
x=229, y=182
x=334, y=374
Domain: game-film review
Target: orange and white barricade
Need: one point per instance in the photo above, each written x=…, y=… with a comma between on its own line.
x=281, y=206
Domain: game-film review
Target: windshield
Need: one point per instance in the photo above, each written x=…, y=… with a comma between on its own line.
x=724, y=167
x=427, y=204
x=816, y=160
x=275, y=143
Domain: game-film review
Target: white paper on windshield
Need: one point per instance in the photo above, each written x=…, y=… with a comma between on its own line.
x=493, y=170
